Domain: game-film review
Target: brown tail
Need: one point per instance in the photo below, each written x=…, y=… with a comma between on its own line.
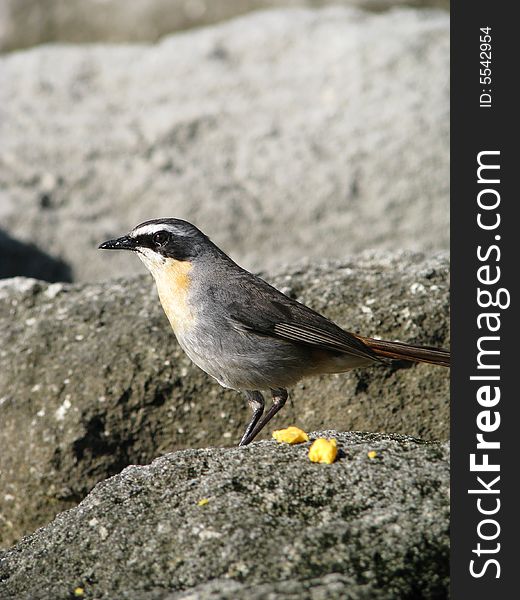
x=400, y=351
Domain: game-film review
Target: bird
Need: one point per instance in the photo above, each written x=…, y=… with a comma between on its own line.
x=246, y=334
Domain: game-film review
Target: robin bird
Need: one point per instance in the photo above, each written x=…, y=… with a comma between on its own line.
x=242, y=331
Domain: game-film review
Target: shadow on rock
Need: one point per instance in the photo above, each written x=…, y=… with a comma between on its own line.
x=20, y=259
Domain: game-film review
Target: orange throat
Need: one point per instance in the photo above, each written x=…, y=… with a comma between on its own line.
x=173, y=285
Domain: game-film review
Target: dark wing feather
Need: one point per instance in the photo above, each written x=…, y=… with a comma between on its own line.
x=325, y=339
x=281, y=317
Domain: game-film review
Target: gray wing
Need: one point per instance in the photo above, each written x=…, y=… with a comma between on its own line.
x=264, y=310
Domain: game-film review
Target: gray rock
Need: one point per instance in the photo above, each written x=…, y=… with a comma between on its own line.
x=19, y=259
x=327, y=587
x=271, y=517
x=281, y=134
x=92, y=379
x=25, y=23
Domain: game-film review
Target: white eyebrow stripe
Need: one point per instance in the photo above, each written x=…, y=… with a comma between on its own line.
x=149, y=229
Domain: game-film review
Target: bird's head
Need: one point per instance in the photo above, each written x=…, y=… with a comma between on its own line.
x=161, y=242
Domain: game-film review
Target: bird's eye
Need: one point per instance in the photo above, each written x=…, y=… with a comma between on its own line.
x=160, y=238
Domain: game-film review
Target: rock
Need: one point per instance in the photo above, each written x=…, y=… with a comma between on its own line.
x=327, y=587
x=261, y=518
x=92, y=379
x=233, y=127
x=19, y=259
x=25, y=23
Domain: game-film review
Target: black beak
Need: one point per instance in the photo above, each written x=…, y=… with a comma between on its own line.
x=122, y=243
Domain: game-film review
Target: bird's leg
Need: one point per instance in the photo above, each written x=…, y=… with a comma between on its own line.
x=279, y=398
x=256, y=402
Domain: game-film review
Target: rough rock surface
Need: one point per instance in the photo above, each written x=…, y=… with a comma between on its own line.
x=234, y=127
x=327, y=587
x=268, y=516
x=92, y=379
x=25, y=23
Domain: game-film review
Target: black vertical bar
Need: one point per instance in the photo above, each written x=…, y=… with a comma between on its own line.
x=483, y=119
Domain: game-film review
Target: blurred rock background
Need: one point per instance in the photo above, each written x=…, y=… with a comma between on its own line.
x=282, y=134
x=310, y=141
x=25, y=23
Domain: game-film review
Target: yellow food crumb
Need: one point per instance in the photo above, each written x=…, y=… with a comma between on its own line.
x=323, y=451
x=291, y=435
x=372, y=454
x=202, y=501
x=78, y=592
